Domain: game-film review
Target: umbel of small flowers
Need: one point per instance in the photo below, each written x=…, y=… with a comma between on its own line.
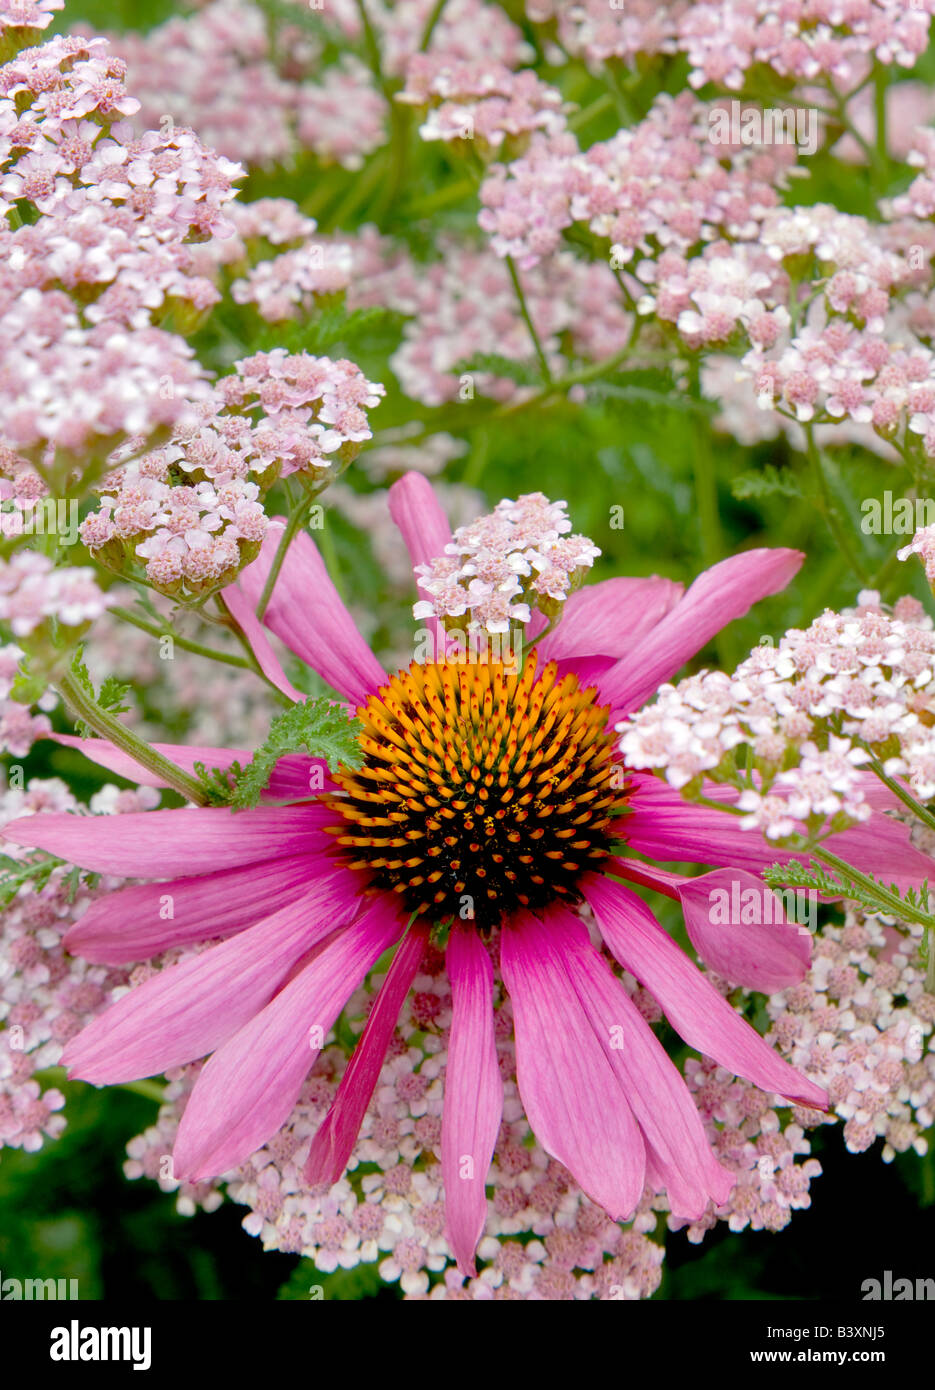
x=96, y=251
x=811, y=738
x=494, y=568
x=193, y=509
x=480, y=108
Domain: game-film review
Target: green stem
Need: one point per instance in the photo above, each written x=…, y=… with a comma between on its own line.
x=359, y=191
x=152, y=1090
x=906, y=797
x=109, y=727
x=441, y=198
x=429, y=29
x=373, y=49
x=888, y=902
x=880, y=84
x=456, y=420
x=527, y=317
x=561, y=384
x=293, y=525
x=228, y=658
x=830, y=506
x=597, y=108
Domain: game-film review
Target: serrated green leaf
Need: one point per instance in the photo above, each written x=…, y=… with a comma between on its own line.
x=332, y=325
x=319, y=727
x=15, y=873
x=113, y=693
x=492, y=363
x=765, y=484
x=616, y=394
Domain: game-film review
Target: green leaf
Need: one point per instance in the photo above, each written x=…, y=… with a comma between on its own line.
x=218, y=782
x=309, y=1284
x=15, y=873
x=113, y=693
x=523, y=373
x=320, y=727
x=331, y=326
x=623, y=395
x=841, y=885
x=767, y=483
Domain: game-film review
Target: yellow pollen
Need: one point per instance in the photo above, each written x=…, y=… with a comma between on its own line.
x=501, y=784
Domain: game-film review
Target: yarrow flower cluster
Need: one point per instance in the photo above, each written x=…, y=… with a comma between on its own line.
x=496, y=567
x=923, y=545
x=862, y=1025
x=20, y=727
x=193, y=508
x=32, y=591
x=481, y=102
x=813, y=711
x=47, y=995
x=656, y=186
x=725, y=39
x=463, y=307
x=101, y=255
x=263, y=91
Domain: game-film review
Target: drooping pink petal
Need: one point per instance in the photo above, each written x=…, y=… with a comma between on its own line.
x=766, y=954
x=420, y=517
x=136, y=923
x=334, y=1140
x=248, y=1089
x=241, y=610
x=473, y=1094
x=609, y=618
x=191, y=840
x=693, y=1006
x=647, y=875
x=653, y=1085
x=187, y=1010
x=307, y=613
x=423, y=526
x=738, y=927
x=725, y=591
x=569, y=1090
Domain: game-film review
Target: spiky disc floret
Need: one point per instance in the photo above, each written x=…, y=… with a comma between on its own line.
x=483, y=790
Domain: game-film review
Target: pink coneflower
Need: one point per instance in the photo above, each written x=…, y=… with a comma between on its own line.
x=491, y=811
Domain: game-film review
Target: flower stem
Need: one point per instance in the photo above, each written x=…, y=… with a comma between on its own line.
x=228, y=658
x=880, y=84
x=109, y=726
x=429, y=29
x=597, y=108
x=888, y=902
x=527, y=317
x=293, y=526
x=906, y=797
x=830, y=507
